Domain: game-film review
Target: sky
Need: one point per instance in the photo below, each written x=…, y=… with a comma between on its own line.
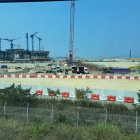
x=103, y=28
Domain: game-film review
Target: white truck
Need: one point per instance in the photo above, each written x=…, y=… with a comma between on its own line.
x=80, y=70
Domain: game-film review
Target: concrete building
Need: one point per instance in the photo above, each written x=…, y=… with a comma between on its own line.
x=23, y=55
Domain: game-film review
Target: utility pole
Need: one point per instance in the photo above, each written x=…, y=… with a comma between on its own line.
x=32, y=37
x=71, y=43
x=27, y=43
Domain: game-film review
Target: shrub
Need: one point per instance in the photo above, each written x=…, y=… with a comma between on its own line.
x=51, y=92
x=116, y=108
x=62, y=118
x=81, y=94
x=14, y=95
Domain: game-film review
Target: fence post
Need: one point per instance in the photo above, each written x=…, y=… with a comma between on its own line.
x=105, y=116
x=136, y=128
x=4, y=108
x=77, y=122
x=28, y=112
x=52, y=114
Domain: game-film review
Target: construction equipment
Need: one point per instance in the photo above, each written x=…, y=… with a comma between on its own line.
x=1, y=40
x=40, y=39
x=71, y=43
x=11, y=42
x=32, y=37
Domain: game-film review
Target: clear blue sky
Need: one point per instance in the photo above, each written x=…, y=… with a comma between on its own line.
x=103, y=28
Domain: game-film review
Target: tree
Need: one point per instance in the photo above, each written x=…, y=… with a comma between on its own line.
x=51, y=92
x=81, y=94
x=15, y=95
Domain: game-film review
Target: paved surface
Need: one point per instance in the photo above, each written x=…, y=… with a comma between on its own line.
x=108, y=84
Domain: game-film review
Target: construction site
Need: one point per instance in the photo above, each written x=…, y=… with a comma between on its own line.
x=70, y=97
x=20, y=66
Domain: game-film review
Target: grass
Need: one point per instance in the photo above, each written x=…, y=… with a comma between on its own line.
x=16, y=130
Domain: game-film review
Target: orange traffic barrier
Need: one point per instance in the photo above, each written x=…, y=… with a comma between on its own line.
x=16, y=76
x=119, y=77
x=43, y=76
x=39, y=92
x=111, y=98
x=50, y=76
x=57, y=76
x=64, y=76
x=103, y=77
x=95, y=77
x=33, y=76
x=95, y=96
x=111, y=77
x=129, y=99
x=24, y=76
x=65, y=94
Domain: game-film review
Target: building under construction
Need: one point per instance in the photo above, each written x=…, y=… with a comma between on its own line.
x=19, y=55
x=22, y=55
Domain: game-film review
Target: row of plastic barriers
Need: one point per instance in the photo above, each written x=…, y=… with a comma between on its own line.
x=70, y=76
x=94, y=97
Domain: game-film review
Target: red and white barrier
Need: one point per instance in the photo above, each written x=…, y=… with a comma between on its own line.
x=111, y=98
x=93, y=97
x=128, y=99
x=65, y=94
x=39, y=92
x=119, y=77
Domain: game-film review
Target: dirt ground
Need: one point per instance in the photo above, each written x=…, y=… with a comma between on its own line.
x=116, y=64
x=110, y=84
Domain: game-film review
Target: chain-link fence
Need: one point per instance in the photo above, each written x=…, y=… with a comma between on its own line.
x=53, y=115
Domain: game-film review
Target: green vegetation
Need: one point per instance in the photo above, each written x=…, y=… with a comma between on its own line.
x=64, y=125
x=15, y=95
x=15, y=130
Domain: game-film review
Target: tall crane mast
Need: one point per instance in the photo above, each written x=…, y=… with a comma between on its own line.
x=32, y=37
x=71, y=43
x=40, y=39
x=27, y=44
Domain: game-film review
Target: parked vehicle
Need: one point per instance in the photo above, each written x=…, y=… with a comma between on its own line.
x=80, y=70
x=3, y=69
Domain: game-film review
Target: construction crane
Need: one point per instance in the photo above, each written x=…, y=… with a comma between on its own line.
x=32, y=37
x=11, y=42
x=39, y=39
x=27, y=43
x=71, y=43
x=1, y=40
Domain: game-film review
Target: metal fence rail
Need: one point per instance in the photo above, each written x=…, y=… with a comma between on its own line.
x=130, y=123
